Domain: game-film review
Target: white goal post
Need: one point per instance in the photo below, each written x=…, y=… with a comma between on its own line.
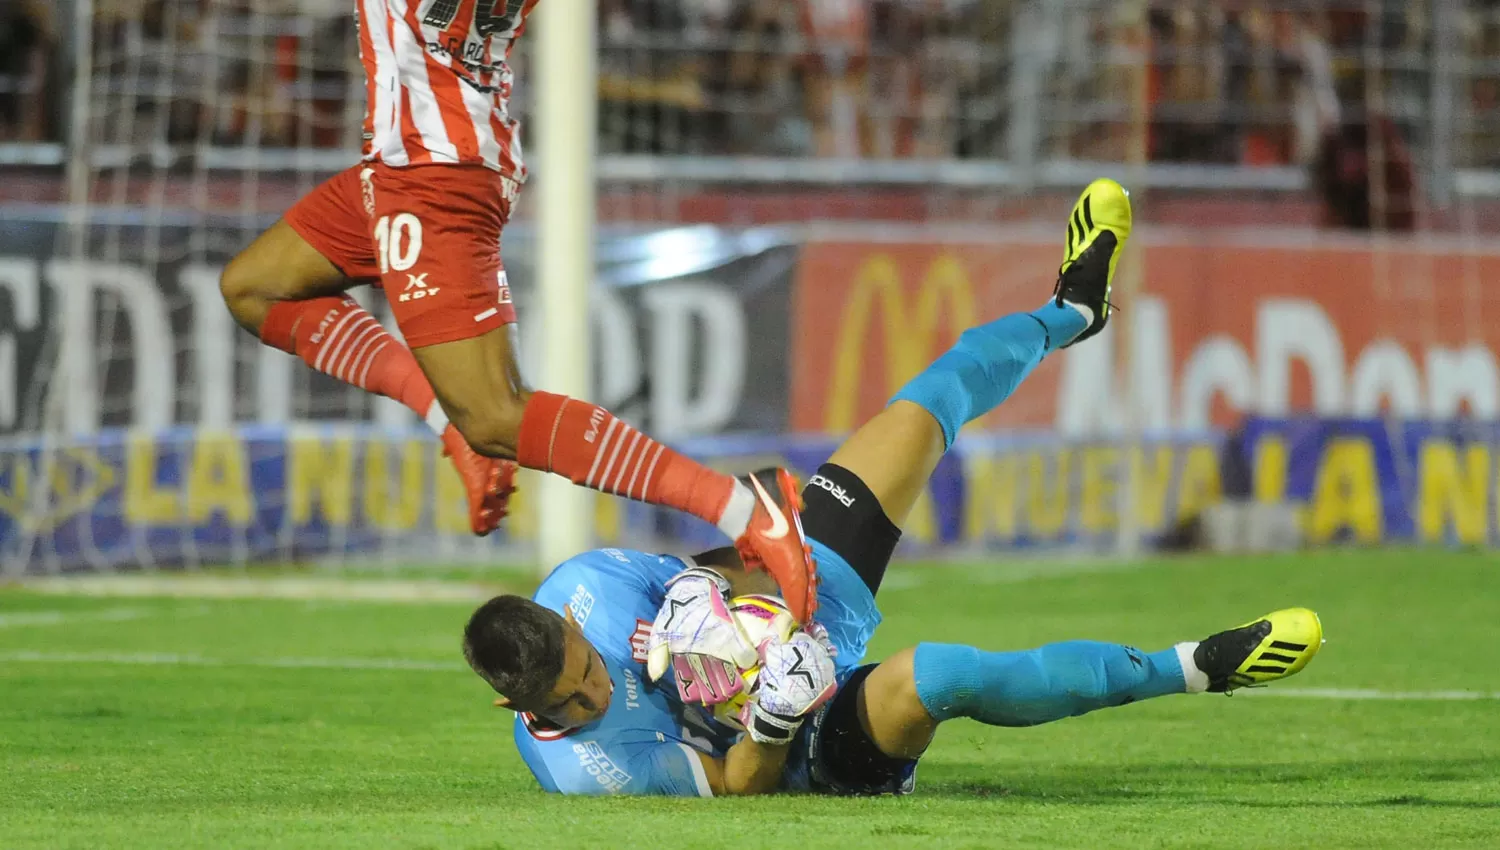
x=566, y=104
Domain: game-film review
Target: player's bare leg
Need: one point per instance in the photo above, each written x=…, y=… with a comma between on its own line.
x=474, y=381
x=894, y=454
x=290, y=296
x=278, y=266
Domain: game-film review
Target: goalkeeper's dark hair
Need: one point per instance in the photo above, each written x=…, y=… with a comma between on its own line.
x=518, y=647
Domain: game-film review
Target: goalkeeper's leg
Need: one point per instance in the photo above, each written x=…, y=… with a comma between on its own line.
x=891, y=457
x=902, y=702
x=860, y=497
x=897, y=450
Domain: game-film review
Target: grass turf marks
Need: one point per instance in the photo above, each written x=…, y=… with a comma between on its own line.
x=206, y=723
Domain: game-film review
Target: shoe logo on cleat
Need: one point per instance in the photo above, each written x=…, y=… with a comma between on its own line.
x=779, y=526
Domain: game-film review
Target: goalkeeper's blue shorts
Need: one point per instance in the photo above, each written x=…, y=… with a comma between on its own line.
x=832, y=755
x=846, y=608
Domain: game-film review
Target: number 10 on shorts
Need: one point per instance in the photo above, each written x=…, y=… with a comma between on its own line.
x=391, y=234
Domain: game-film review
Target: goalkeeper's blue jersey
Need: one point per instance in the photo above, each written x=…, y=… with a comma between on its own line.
x=648, y=741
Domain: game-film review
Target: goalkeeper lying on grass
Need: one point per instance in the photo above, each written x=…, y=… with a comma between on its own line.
x=572, y=662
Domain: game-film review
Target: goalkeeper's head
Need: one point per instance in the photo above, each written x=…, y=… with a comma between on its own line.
x=538, y=661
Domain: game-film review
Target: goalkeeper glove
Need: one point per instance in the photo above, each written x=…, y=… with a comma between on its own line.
x=796, y=678
x=696, y=636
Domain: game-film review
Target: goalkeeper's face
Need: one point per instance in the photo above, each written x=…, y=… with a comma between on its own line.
x=583, y=689
x=539, y=662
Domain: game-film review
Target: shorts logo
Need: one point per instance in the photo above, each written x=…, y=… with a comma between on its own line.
x=504, y=287
x=833, y=489
x=367, y=190
x=639, y=640
x=417, y=288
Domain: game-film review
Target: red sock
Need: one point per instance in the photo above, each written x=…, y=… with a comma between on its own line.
x=588, y=445
x=338, y=337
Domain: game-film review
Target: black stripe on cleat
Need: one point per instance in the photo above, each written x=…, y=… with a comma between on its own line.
x=1078, y=222
x=1265, y=668
x=1288, y=645
x=1271, y=656
x=1088, y=216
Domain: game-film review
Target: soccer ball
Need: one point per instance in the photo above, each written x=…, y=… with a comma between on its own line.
x=761, y=617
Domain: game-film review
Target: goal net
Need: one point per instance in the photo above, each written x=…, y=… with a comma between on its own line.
x=800, y=204
x=154, y=431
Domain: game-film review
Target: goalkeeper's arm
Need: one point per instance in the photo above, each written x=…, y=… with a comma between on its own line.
x=797, y=677
x=748, y=768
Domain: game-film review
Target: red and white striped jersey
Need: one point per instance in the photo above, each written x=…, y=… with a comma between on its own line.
x=437, y=82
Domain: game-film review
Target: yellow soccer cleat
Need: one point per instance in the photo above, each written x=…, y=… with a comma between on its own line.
x=1270, y=648
x=1098, y=229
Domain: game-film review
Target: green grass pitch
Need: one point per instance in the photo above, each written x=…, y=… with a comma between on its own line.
x=209, y=745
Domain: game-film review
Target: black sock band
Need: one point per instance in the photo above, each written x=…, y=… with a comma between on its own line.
x=842, y=514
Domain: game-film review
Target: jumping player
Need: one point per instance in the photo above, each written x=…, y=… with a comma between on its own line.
x=421, y=217
x=575, y=663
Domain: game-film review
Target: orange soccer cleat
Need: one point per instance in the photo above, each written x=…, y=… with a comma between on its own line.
x=489, y=481
x=774, y=541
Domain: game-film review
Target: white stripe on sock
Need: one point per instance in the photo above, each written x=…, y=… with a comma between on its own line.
x=436, y=419
x=552, y=438
x=614, y=455
x=352, y=358
x=1197, y=680
x=370, y=361
x=736, y=516
x=640, y=461
x=333, y=335
x=599, y=452
x=614, y=486
x=650, y=470
x=339, y=346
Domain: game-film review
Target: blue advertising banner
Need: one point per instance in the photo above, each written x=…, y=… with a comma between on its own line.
x=263, y=493
x=1373, y=481
x=276, y=494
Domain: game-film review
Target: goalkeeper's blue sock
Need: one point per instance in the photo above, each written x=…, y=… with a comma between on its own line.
x=988, y=362
x=1040, y=685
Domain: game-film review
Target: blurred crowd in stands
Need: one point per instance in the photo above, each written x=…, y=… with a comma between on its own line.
x=1252, y=82
x=27, y=78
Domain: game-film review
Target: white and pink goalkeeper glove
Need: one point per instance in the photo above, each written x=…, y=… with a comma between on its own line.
x=696, y=636
x=796, y=678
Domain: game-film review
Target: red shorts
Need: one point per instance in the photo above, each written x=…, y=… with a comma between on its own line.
x=428, y=235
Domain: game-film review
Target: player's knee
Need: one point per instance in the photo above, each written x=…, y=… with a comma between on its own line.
x=492, y=429
x=244, y=292
x=901, y=687
x=891, y=711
